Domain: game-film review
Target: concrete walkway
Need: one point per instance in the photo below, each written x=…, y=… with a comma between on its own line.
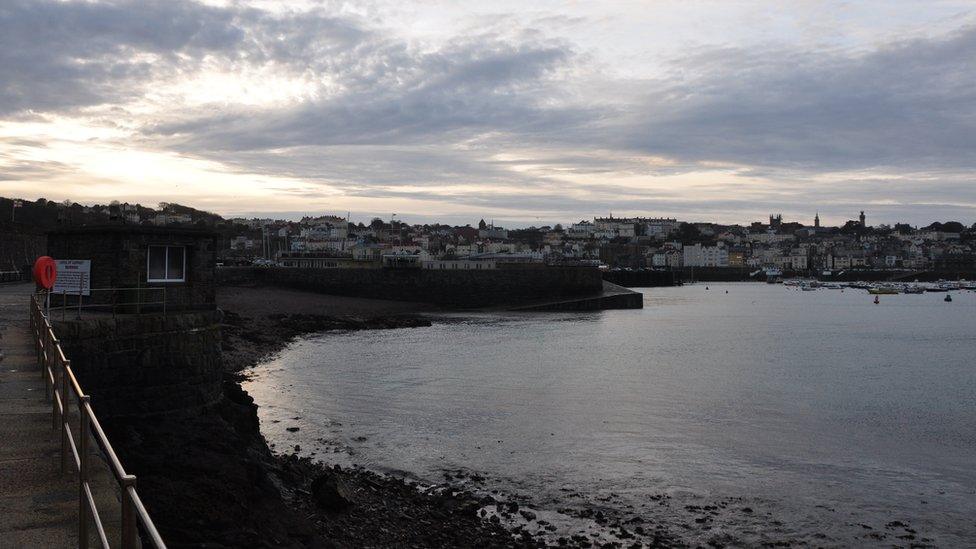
x=38, y=505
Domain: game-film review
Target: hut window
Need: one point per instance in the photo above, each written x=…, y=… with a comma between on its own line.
x=166, y=264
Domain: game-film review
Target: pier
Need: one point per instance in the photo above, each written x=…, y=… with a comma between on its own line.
x=61, y=484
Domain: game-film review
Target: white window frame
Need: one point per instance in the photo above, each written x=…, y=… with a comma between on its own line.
x=167, y=247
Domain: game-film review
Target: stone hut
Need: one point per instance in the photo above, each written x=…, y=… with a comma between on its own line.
x=139, y=361
x=142, y=266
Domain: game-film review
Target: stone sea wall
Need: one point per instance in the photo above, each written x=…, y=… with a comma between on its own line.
x=143, y=365
x=643, y=278
x=451, y=288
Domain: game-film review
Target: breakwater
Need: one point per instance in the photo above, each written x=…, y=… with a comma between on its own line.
x=717, y=274
x=612, y=297
x=461, y=289
x=643, y=278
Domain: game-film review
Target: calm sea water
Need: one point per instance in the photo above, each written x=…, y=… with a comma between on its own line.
x=830, y=416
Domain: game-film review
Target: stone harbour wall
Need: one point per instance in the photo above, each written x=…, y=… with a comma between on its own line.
x=453, y=288
x=144, y=365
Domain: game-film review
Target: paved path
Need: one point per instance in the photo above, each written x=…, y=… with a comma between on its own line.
x=38, y=505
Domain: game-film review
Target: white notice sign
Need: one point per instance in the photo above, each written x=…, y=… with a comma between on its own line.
x=74, y=275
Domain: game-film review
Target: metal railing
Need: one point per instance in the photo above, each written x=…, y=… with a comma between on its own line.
x=132, y=300
x=62, y=387
x=13, y=276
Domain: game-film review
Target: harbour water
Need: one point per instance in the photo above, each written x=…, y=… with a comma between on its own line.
x=813, y=417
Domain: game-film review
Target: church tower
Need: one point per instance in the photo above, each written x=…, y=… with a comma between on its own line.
x=862, y=219
x=816, y=221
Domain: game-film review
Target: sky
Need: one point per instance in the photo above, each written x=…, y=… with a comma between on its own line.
x=526, y=113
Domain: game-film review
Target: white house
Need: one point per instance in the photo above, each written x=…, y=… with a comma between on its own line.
x=705, y=256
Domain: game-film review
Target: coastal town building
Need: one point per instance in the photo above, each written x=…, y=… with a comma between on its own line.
x=705, y=256
x=633, y=242
x=459, y=264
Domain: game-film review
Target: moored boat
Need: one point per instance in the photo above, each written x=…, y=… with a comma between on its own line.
x=882, y=290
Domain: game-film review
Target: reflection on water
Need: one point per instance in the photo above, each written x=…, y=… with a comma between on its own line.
x=829, y=415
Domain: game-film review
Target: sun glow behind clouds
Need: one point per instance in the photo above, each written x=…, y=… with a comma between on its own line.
x=264, y=86
x=98, y=165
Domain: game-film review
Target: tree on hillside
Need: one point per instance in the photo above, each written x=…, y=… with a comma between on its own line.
x=947, y=227
x=688, y=234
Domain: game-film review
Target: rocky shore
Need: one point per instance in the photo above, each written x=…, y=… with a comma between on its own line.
x=250, y=340
x=351, y=507
x=355, y=507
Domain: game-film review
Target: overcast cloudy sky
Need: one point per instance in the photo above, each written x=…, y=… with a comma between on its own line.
x=525, y=112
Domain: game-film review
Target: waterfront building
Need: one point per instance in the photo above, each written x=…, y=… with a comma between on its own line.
x=769, y=237
x=799, y=260
x=705, y=256
x=583, y=229
x=660, y=228
x=459, y=264
x=493, y=233
x=737, y=257
x=668, y=258
x=405, y=258
x=610, y=228
x=318, y=260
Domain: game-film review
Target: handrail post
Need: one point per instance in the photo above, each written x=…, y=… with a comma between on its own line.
x=129, y=530
x=65, y=450
x=83, y=511
x=55, y=397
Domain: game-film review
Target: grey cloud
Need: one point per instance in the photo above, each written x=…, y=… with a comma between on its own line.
x=58, y=55
x=395, y=96
x=19, y=170
x=908, y=104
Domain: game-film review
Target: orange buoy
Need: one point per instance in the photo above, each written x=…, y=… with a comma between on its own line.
x=45, y=272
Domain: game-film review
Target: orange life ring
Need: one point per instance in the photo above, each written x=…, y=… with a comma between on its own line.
x=45, y=272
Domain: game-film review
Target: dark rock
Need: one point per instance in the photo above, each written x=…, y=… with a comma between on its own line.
x=292, y=429
x=329, y=494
